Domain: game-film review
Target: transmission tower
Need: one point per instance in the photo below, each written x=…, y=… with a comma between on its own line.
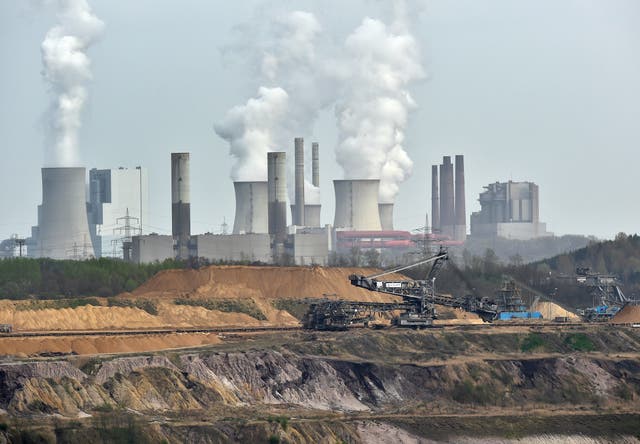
x=127, y=230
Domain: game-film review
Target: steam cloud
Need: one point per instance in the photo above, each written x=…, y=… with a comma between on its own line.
x=293, y=88
x=67, y=69
x=371, y=76
x=372, y=119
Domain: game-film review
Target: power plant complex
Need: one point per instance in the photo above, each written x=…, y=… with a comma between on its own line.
x=110, y=221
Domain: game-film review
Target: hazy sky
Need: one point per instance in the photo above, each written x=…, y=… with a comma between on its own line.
x=540, y=90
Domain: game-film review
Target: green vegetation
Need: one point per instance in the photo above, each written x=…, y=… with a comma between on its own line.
x=466, y=392
x=282, y=420
x=56, y=304
x=274, y=439
x=532, y=342
x=580, y=342
x=22, y=278
x=143, y=304
x=295, y=307
x=246, y=306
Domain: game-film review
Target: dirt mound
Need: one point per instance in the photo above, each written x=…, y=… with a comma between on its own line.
x=630, y=314
x=103, y=344
x=549, y=310
x=261, y=282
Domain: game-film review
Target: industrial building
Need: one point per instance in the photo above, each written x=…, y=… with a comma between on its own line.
x=118, y=207
x=509, y=210
x=63, y=226
x=448, y=209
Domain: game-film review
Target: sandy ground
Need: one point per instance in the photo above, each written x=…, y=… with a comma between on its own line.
x=551, y=311
x=88, y=345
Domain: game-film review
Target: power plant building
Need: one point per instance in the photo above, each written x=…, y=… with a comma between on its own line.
x=509, y=210
x=118, y=207
x=63, y=226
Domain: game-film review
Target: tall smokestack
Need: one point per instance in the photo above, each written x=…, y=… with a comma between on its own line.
x=435, y=200
x=386, y=216
x=315, y=164
x=298, y=216
x=460, y=210
x=277, y=194
x=357, y=204
x=180, y=204
x=447, y=210
x=63, y=227
x=251, y=208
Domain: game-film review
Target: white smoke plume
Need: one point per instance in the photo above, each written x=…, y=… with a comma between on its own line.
x=372, y=117
x=251, y=130
x=67, y=69
x=283, y=53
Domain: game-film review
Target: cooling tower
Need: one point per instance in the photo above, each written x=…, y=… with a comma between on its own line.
x=315, y=164
x=357, y=204
x=180, y=204
x=298, y=216
x=277, y=194
x=62, y=223
x=435, y=200
x=460, y=232
x=386, y=215
x=447, y=210
x=311, y=214
x=251, y=208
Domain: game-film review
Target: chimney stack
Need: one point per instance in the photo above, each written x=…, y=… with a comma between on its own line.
x=277, y=194
x=460, y=210
x=447, y=206
x=315, y=164
x=435, y=200
x=298, y=215
x=180, y=204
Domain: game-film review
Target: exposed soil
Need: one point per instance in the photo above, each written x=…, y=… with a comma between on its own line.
x=86, y=345
x=630, y=314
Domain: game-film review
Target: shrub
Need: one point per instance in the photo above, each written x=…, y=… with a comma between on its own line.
x=531, y=342
x=579, y=342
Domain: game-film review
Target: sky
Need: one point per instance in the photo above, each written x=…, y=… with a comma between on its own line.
x=543, y=90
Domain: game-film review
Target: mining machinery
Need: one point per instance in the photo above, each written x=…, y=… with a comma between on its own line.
x=608, y=297
x=421, y=295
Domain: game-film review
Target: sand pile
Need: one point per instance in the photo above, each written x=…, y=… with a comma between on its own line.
x=103, y=344
x=551, y=311
x=630, y=314
x=260, y=283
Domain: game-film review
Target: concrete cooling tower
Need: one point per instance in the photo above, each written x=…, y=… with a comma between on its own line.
x=63, y=224
x=357, y=204
x=386, y=216
x=251, y=208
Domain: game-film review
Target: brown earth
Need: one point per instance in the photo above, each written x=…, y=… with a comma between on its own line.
x=88, y=345
x=259, y=286
x=268, y=283
x=629, y=314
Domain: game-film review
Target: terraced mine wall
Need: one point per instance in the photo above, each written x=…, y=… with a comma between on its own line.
x=307, y=386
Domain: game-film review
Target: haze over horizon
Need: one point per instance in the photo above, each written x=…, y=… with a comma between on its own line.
x=540, y=91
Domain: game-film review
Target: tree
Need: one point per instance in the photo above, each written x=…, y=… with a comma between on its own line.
x=372, y=258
